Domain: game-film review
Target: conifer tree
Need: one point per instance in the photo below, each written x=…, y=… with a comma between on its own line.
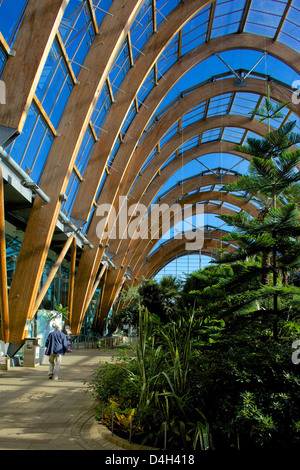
x=273, y=185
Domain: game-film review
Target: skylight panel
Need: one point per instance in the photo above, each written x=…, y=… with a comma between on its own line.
x=244, y=103
x=210, y=135
x=164, y=8
x=146, y=87
x=85, y=152
x=219, y=105
x=227, y=17
x=290, y=31
x=168, y=57
x=3, y=59
x=11, y=15
x=77, y=33
x=264, y=17
x=128, y=120
x=141, y=29
x=195, y=114
x=189, y=144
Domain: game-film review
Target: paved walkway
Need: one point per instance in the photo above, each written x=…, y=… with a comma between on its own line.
x=41, y=414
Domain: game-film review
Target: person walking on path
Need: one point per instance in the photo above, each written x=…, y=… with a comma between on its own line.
x=56, y=347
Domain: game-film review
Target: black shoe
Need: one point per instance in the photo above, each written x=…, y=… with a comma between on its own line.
x=50, y=377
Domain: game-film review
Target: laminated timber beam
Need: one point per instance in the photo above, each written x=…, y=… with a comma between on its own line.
x=23, y=70
x=160, y=257
x=99, y=157
x=61, y=160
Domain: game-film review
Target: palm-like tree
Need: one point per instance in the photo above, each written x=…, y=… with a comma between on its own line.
x=273, y=184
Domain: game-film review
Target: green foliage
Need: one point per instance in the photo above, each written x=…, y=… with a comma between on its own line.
x=213, y=364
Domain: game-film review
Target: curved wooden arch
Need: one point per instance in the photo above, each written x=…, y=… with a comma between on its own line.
x=142, y=248
x=187, y=103
x=90, y=259
x=168, y=251
x=60, y=162
x=73, y=125
x=205, y=251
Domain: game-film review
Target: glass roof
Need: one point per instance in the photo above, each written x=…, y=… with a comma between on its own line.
x=81, y=22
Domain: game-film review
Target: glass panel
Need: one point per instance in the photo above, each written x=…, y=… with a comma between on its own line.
x=168, y=57
x=100, y=9
x=164, y=8
x=190, y=144
x=244, y=103
x=55, y=86
x=219, y=105
x=233, y=134
x=146, y=87
x=101, y=109
x=128, y=120
x=31, y=148
x=11, y=15
x=212, y=134
x=291, y=29
x=194, y=32
x=264, y=17
x=85, y=152
x=3, y=59
x=120, y=69
x=171, y=132
x=141, y=29
x=71, y=192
